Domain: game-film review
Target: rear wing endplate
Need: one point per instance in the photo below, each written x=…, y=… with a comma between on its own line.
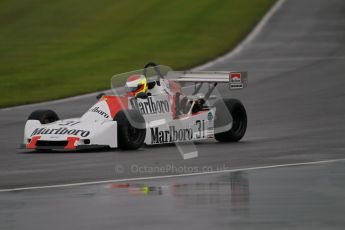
x=236, y=79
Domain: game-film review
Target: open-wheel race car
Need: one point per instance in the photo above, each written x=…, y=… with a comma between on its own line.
x=151, y=106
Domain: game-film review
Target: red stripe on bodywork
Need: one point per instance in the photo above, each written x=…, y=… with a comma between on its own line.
x=71, y=142
x=116, y=104
x=32, y=143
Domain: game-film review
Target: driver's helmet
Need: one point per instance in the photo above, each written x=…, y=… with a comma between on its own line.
x=136, y=84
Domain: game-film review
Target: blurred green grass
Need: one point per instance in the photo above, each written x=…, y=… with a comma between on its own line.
x=55, y=49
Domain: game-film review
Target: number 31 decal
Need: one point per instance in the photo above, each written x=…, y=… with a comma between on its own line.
x=201, y=129
x=69, y=123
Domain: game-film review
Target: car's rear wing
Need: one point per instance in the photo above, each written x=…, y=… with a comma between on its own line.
x=236, y=79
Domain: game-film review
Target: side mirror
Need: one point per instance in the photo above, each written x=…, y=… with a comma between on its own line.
x=99, y=96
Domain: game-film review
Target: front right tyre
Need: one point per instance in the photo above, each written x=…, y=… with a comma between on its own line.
x=44, y=116
x=131, y=129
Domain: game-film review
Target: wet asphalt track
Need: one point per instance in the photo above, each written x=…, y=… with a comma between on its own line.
x=296, y=108
x=256, y=199
x=295, y=103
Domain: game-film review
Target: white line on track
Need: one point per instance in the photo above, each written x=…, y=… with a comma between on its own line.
x=289, y=59
x=56, y=101
x=169, y=176
x=250, y=37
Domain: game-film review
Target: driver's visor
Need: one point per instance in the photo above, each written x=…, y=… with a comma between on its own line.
x=135, y=89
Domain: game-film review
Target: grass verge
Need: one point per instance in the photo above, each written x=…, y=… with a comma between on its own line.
x=55, y=49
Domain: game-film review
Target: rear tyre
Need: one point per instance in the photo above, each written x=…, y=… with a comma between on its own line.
x=44, y=116
x=131, y=129
x=239, y=120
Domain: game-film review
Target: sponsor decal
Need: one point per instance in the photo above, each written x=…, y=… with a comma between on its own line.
x=210, y=132
x=60, y=131
x=235, y=77
x=209, y=116
x=149, y=106
x=99, y=111
x=236, y=80
x=170, y=135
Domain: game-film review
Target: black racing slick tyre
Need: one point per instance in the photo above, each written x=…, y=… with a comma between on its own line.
x=44, y=116
x=131, y=129
x=239, y=120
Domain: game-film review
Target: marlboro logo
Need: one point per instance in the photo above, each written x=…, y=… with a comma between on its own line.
x=235, y=77
x=149, y=106
x=61, y=131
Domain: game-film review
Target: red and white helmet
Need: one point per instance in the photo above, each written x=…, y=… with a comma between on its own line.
x=136, y=84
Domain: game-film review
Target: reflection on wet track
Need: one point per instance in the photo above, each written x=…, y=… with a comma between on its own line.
x=308, y=197
x=232, y=189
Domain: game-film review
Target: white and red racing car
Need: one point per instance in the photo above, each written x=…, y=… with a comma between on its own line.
x=175, y=107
